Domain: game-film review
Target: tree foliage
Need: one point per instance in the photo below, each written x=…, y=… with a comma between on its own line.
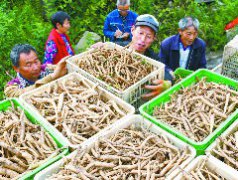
x=28, y=22
x=19, y=23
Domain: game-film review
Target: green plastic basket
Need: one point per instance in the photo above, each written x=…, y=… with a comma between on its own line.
x=147, y=109
x=182, y=73
x=4, y=105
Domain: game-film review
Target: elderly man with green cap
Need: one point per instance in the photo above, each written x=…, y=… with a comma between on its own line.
x=143, y=35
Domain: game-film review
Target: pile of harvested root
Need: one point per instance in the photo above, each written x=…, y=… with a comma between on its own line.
x=227, y=149
x=202, y=172
x=76, y=109
x=131, y=153
x=197, y=111
x=178, y=79
x=118, y=68
x=23, y=146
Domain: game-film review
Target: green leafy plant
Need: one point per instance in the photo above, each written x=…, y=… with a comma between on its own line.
x=28, y=22
x=19, y=23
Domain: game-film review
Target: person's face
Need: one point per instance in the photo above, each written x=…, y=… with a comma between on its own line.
x=143, y=37
x=29, y=66
x=188, y=35
x=123, y=10
x=65, y=27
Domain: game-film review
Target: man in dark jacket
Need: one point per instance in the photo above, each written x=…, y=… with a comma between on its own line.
x=185, y=49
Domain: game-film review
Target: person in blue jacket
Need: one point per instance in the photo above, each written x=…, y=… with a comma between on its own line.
x=118, y=23
x=184, y=49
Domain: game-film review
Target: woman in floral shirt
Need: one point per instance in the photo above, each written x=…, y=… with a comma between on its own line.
x=58, y=43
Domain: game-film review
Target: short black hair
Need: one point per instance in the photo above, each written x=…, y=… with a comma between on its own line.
x=17, y=50
x=59, y=17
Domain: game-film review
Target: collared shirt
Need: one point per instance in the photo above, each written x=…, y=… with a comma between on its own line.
x=51, y=50
x=184, y=52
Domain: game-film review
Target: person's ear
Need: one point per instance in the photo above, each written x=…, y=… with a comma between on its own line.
x=58, y=25
x=16, y=68
x=180, y=31
x=133, y=29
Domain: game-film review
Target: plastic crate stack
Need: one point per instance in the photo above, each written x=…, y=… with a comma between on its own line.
x=230, y=59
x=132, y=146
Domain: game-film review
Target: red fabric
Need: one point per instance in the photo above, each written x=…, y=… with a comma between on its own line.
x=231, y=24
x=61, y=46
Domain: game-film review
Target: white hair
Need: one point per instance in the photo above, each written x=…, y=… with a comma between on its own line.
x=123, y=2
x=187, y=22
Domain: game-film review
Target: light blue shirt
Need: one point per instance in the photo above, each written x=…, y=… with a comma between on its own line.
x=184, y=52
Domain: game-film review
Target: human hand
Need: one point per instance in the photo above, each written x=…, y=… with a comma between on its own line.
x=158, y=87
x=51, y=67
x=60, y=69
x=118, y=33
x=126, y=35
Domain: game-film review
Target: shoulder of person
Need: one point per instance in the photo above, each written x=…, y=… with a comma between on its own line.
x=13, y=82
x=199, y=42
x=113, y=13
x=151, y=54
x=169, y=40
x=53, y=37
x=133, y=13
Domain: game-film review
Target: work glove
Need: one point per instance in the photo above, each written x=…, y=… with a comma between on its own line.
x=157, y=87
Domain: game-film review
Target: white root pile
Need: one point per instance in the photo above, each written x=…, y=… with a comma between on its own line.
x=227, y=149
x=198, y=110
x=118, y=68
x=202, y=171
x=76, y=109
x=131, y=153
x=24, y=146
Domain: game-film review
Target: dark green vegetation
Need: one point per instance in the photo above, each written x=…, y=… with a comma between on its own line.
x=28, y=22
